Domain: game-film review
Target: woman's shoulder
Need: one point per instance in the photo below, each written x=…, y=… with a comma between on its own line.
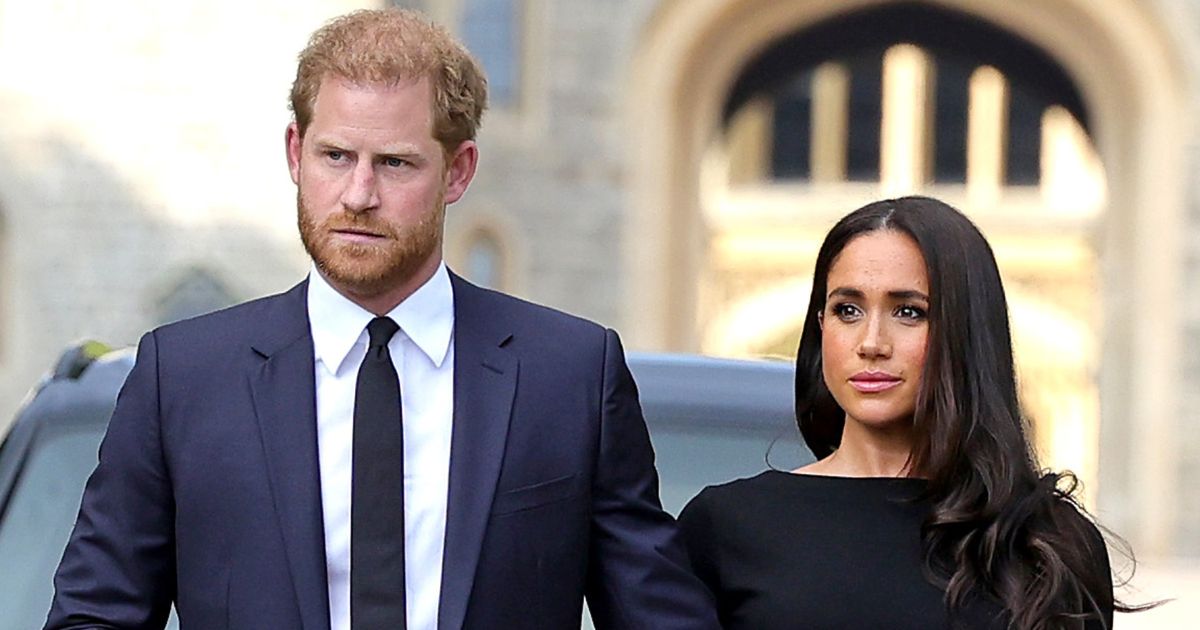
x=740, y=488
x=734, y=495
x=717, y=497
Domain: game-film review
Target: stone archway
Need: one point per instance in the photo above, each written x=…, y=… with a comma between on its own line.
x=1135, y=89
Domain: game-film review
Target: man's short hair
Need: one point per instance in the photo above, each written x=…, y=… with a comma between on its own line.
x=391, y=46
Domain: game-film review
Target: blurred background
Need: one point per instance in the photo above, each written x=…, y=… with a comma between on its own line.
x=667, y=167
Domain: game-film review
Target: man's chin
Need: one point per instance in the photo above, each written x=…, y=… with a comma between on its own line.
x=365, y=277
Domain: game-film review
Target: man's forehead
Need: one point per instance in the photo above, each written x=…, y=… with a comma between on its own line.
x=341, y=100
x=339, y=93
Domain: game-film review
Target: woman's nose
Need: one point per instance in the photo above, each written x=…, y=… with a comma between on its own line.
x=874, y=342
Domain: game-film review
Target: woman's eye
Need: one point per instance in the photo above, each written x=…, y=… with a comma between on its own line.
x=846, y=312
x=910, y=312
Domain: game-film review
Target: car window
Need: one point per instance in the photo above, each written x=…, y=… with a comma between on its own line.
x=715, y=420
x=38, y=521
x=688, y=460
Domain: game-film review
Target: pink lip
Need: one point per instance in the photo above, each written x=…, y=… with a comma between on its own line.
x=874, y=382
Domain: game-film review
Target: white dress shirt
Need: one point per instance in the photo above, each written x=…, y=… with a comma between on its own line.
x=423, y=353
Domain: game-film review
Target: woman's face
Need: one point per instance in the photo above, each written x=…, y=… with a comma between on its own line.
x=874, y=328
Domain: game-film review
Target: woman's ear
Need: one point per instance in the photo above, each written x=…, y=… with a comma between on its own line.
x=821, y=319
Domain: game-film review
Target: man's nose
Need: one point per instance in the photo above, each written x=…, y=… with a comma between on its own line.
x=361, y=193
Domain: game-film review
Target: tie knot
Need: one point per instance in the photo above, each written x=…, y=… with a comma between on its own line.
x=380, y=331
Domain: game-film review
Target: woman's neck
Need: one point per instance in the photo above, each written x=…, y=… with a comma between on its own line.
x=867, y=452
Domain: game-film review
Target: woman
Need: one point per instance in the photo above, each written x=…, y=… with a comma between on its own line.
x=926, y=508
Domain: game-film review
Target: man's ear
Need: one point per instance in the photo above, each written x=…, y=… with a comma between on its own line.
x=293, y=143
x=461, y=170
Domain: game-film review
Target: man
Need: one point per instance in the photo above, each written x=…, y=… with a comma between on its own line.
x=385, y=445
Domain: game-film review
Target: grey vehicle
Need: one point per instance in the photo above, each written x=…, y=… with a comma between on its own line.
x=711, y=420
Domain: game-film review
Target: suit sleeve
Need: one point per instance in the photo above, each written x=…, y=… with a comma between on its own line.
x=638, y=576
x=118, y=569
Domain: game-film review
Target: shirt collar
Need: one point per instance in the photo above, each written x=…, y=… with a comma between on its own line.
x=337, y=324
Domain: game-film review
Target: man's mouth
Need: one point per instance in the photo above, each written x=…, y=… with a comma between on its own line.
x=357, y=234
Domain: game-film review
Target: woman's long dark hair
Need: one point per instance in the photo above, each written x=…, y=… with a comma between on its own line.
x=998, y=526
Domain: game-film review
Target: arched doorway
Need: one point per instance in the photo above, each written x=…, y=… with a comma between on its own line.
x=1131, y=89
x=906, y=99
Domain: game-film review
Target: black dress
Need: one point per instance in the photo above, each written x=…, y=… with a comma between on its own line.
x=783, y=551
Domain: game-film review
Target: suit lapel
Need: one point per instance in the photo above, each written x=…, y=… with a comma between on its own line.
x=284, y=394
x=485, y=379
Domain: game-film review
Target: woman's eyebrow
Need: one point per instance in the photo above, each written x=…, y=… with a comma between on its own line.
x=908, y=294
x=896, y=294
x=849, y=292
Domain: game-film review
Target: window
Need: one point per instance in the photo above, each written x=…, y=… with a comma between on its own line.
x=491, y=29
x=952, y=104
x=485, y=260
x=1024, y=137
x=865, y=110
x=895, y=95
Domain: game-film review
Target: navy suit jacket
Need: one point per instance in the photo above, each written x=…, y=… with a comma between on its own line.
x=207, y=493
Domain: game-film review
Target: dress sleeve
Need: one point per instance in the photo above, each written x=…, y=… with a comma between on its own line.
x=696, y=525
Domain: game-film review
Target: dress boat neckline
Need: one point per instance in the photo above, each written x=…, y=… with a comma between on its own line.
x=848, y=478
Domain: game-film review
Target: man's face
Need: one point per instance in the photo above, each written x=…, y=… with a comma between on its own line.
x=373, y=184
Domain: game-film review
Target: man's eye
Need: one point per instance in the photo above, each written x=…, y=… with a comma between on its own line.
x=395, y=162
x=335, y=156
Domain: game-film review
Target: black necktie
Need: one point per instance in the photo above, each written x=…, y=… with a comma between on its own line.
x=377, y=490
